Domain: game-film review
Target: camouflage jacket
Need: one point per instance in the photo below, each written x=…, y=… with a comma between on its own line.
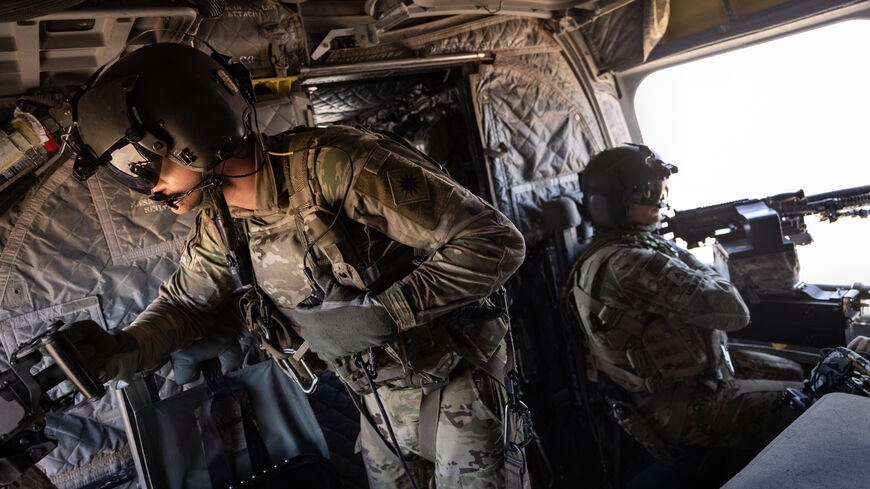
x=653, y=315
x=389, y=222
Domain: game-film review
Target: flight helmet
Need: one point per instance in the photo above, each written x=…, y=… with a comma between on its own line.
x=618, y=177
x=162, y=100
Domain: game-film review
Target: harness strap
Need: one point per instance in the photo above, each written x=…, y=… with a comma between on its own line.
x=429, y=408
x=623, y=377
x=513, y=475
x=615, y=357
x=610, y=316
x=296, y=173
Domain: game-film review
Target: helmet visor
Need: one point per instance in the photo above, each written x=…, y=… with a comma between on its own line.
x=650, y=193
x=134, y=166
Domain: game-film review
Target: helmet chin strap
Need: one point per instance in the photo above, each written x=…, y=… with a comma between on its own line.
x=172, y=200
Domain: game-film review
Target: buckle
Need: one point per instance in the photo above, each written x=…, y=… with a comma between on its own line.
x=639, y=360
x=429, y=387
x=654, y=384
x=610, y=316
x=727, y=357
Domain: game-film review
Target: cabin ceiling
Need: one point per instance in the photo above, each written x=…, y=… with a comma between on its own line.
x=58, y=43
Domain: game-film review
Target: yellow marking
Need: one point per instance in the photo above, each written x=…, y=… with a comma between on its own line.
x=280, y=154
x=278, y=85
x=779, y=346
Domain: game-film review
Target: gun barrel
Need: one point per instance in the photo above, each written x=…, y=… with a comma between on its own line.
x=834, y=194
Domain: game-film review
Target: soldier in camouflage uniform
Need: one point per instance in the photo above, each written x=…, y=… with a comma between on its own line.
x=392, y=244
x=655, y=321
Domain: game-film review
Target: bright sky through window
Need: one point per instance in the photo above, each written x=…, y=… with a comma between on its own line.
x=788, y=114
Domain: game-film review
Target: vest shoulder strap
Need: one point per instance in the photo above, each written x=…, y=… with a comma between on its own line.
x=294, y=150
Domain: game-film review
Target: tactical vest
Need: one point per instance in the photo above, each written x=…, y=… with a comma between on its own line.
x=639, y=352
x=422, y=356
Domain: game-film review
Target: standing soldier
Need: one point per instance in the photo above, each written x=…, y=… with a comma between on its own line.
x=356, y=242
x=655, y=321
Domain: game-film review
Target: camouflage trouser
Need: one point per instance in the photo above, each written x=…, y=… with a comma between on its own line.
x=728, y=417
x=752, y=419
x=757, y=365
x=468, y=440
x=747, y=421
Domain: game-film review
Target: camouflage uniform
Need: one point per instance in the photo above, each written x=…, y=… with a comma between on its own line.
x=469, y=450
x=394, y=224
x=655, y=319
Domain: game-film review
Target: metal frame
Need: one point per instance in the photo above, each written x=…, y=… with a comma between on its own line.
x=370, y=34
x=629, y=80
x=30, y=51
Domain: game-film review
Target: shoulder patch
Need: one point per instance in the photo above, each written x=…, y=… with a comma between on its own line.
x=408, y=185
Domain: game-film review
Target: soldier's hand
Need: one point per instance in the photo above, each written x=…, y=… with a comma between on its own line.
x=109, y=356
x=346, y=322
x=859, y=344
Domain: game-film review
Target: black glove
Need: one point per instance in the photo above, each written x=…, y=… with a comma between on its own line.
x=109, y=356
x=346, y=322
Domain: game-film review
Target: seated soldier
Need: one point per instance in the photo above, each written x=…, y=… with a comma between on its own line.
x=655, y=321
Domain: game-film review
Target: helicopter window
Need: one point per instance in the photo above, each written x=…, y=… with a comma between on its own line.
x=775, y=117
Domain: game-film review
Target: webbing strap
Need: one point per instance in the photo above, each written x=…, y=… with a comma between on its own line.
x=220, y=470
x=614, y=357
x=297, y=173
x=295, y=168
x=494, y=367
x=679, y=410
x=513, y=475
x=511, y=360
x=610, y=316
x=429, y=408
x=619, y=375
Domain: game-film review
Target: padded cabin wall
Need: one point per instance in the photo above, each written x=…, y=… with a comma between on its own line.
x=535, y=120
x=74, y=251
x=96, y=250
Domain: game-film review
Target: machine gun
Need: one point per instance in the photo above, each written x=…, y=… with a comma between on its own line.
x=24, y=400
x=763, y=222
x=755, y=249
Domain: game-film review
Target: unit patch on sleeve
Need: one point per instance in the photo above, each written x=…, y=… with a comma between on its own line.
x=408, y=185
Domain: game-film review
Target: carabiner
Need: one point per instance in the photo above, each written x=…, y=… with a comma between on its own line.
x=291, y=372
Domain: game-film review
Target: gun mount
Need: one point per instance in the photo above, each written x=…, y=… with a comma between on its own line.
x=755, y=249
x=24, y=400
